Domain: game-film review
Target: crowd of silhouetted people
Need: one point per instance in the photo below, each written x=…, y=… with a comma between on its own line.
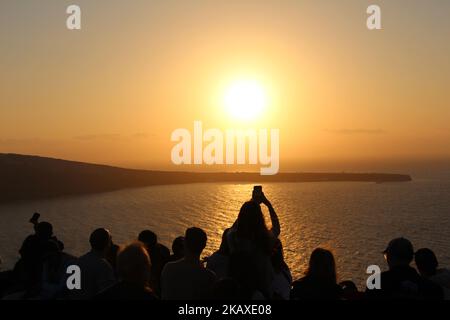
x=249, y=265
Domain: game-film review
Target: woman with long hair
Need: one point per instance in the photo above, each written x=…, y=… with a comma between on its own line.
x=320, y=281
x=250, y=235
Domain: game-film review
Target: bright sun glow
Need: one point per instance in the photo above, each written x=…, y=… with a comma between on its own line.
x=245, y=99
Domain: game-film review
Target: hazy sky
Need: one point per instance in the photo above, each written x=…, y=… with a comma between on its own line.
x=343, y=97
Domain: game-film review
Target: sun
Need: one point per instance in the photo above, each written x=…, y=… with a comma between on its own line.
x=245, y=99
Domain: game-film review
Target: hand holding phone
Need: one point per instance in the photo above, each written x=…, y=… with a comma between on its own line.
x=257, y=194
x=35, y=218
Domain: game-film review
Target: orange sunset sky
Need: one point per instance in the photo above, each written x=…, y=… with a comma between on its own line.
x=343, y=97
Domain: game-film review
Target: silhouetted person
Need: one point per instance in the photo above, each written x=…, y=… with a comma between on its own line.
x=29, y=268
x=187, y=279
x=402, y=281
x=177, y=249
x=428, y=264
x=159, y=255
x=218, y=262
x=54, y=276
x=282, y=275
x=250, y=234
x=350, y=291
x=150, y=240
x=37, y=225
x=24, y=276
x=134, y=271
x=96, y=273
x=320, y=280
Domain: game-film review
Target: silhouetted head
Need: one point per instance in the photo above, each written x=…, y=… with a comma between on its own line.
x=348, y=287
x=426, y=262
x=44, y=230
x=178, y=246
x=100, y=240
x=251, y=224
x=399, y=252
x=322, y=266
x=224, y=248
x=133, y=264
x=148, y=238
x=349, y=290
x=195, y=241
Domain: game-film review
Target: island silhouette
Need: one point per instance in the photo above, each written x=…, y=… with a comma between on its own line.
x=25, y=177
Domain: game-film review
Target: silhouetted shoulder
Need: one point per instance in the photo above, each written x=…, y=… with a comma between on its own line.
x=169, y=266
x=308, y=288
x=27, y=244
x=92, y=259
x=405, y=283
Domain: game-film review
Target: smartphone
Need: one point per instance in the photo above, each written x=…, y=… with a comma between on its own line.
x=257, y=192
x=35, y=218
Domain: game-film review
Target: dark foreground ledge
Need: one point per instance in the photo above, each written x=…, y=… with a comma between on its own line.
x=30, y=177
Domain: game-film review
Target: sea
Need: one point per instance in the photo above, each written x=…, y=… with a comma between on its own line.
x=355, y=220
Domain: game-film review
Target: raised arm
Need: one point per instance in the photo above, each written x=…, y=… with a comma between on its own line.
x=276, y=229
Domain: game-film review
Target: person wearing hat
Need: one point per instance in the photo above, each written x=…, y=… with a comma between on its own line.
x=402, y=281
